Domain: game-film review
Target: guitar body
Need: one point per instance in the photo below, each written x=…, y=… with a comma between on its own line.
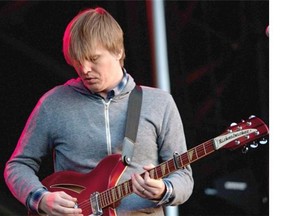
x=81, y=186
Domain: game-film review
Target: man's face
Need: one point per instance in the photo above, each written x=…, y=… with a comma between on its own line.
x=101, y=72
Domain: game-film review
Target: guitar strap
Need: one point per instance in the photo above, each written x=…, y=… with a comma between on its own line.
x=132, y=122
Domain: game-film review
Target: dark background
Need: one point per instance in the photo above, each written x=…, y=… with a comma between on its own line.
x=219, y=69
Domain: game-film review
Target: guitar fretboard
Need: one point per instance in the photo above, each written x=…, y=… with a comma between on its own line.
x=115, y=194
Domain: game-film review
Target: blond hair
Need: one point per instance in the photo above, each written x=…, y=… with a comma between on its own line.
x=88, y=28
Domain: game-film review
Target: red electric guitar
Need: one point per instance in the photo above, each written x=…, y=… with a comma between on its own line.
x=97, y=192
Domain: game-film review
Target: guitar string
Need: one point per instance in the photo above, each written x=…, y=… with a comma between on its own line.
x=107, y=196
x=201, y=151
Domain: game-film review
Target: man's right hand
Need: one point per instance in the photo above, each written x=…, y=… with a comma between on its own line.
x=59, y=204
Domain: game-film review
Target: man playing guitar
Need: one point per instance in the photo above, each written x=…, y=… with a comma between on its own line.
x=82, y=122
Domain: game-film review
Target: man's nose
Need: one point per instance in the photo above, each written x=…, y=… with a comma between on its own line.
x=86, y=67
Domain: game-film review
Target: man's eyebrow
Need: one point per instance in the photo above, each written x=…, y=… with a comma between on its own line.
x=95, y=56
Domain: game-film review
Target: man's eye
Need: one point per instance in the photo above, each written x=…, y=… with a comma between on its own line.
x=94, y=60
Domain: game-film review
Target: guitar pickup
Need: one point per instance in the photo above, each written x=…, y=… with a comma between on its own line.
x=96, y=210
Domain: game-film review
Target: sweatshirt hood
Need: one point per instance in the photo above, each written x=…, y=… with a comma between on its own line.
x=77, y=85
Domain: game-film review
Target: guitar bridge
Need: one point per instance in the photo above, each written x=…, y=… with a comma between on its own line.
x=96, y=210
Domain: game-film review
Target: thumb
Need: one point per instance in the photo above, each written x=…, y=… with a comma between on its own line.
x=148, y=167
x=67, y=196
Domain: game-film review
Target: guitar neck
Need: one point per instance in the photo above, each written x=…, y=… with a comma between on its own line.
x=115, y=194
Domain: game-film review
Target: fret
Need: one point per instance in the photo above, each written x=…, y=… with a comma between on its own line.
x=126, y=187
x=185, y=158
x=155, y=172
x=168, y=169
x=204, y=147
x=108, y=197
x=158, y=174
x=196, y=153
x=172, y=167
x=114, y=195
x=129, y=187
x=101, y=200
x=181, y=161
x=119, y=188
x=152, y=173
x=209, y=147
x=105, y=201
x=163, y=169
x=200, y=151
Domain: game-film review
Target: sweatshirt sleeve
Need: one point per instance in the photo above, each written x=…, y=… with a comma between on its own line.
x=172, y=139
x=21, y=169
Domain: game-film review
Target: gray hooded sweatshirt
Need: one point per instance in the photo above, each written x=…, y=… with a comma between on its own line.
x=82, y=128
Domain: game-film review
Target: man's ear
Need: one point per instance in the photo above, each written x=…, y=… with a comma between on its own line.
x=119, y=55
